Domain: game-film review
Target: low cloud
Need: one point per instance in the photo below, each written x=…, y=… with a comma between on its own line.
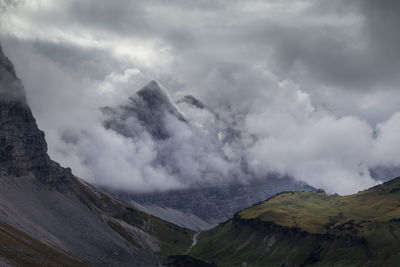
x=279, y=132
x=307, y=88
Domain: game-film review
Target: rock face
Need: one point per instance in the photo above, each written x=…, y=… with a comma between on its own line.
x=23, y=148
x=43, y=202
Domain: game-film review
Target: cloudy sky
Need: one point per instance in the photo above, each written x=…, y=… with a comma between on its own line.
x=314, y=82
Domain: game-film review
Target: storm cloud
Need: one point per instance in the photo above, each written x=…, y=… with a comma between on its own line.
x=311, y=85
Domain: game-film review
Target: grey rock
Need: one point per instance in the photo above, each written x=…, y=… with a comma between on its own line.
x=23, y=148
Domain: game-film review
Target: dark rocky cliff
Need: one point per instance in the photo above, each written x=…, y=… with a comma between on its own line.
x=23, y=148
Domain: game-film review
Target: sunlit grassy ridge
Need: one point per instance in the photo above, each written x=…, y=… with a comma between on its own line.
x=321, y=213
x=311, y=229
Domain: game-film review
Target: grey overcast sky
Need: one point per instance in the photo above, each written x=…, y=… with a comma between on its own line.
x=316, y=80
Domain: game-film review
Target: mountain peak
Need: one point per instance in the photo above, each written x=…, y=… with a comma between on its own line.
x=150, y=106
x=157, y=100
x=156, y=97
x=152, y=85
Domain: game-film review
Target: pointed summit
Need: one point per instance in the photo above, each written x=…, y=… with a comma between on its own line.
x=149, y=106
x=158, y=100
x=151, y=86
x=154, y=95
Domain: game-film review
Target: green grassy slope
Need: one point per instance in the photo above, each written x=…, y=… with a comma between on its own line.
x=303, y=228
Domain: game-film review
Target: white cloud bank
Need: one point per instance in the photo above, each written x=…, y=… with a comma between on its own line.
x=310, y=85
